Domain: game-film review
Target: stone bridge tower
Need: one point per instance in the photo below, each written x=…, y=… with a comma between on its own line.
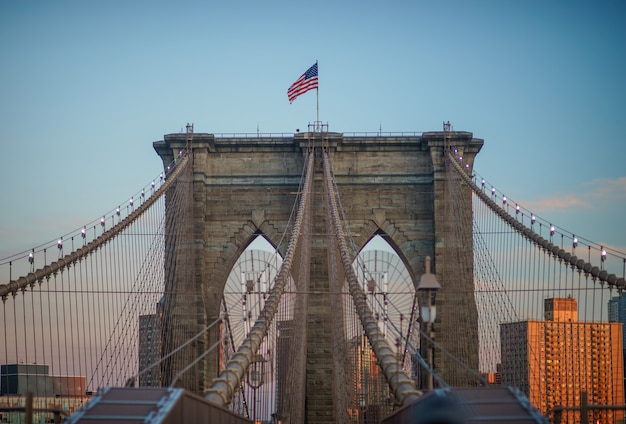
x=392, y=186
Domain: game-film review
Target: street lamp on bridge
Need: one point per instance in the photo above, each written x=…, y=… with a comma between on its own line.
x=428, y=312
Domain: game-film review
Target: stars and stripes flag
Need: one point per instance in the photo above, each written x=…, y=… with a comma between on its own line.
x=306, y=82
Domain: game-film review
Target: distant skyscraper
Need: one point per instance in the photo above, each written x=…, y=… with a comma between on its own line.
x=617, y=313
x=150, y=347
x=553, y=361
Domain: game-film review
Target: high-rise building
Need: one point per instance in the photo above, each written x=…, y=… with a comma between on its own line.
x=150, y=348
x=617, y=309
x=555, y=360
x=617, y=313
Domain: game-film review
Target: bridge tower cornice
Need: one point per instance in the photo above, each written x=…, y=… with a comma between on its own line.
x=464, y=141
x=318, y=139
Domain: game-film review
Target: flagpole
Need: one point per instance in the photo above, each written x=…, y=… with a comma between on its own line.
x=317, y=91
x=317, y=95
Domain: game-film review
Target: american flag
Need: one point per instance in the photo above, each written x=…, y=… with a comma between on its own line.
x=306, y=82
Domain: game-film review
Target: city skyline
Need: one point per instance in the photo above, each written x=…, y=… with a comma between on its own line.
x=87, y=89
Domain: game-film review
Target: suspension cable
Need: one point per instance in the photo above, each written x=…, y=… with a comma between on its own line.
x=400, y=384
x=535, y=238
x=73, y=257
x=223, y=389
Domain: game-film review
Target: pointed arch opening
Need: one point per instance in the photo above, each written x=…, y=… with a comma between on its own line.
x=390, y=292
x=245, y=293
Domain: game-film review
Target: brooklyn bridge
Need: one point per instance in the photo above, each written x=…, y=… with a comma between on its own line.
x=315, y=277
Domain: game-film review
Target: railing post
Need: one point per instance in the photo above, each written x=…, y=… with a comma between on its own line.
x=584, y=408
x=557, y=416
x=28, y=414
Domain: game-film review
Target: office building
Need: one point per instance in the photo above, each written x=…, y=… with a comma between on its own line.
x=50, y=392
x=617, y=313
x=150, y=348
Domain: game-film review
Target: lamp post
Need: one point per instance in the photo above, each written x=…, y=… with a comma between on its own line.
x=428, y=311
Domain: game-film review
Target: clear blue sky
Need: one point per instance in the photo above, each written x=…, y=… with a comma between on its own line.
x=86, y=87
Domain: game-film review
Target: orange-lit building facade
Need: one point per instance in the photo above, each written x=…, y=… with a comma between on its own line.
x=553, y=361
